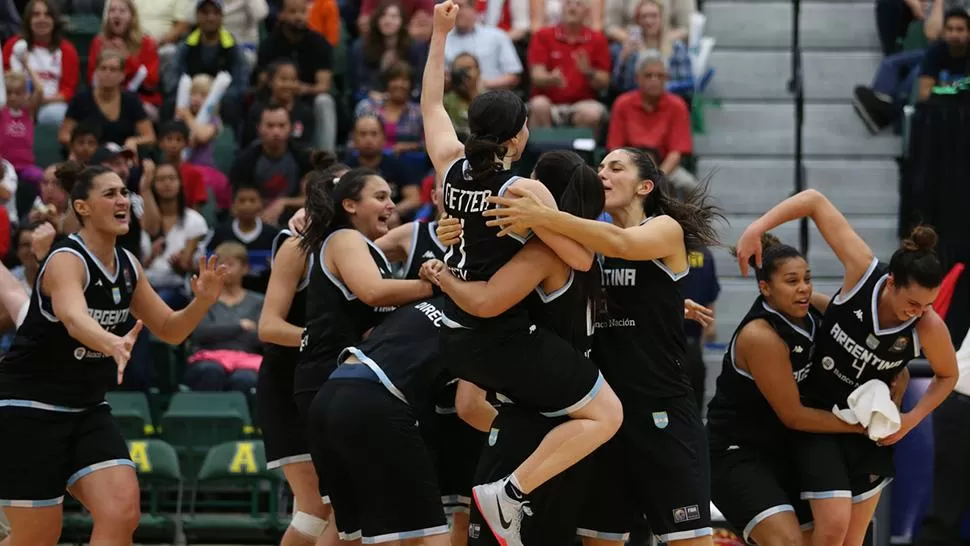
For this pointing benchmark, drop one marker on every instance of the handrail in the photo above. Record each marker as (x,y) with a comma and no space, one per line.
(796,86)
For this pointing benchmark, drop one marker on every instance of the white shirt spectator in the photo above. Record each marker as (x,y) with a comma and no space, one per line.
(9,183)
(240,17)
(158,16)
(159,272)
(963,363)
(494,50)
(46,64)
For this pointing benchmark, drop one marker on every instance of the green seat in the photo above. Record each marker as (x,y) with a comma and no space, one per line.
(915,37)
(196,421)
(160,479)
(131,411)
(208,210)
(224,150)
(47,150)
(82,30)
(234,494)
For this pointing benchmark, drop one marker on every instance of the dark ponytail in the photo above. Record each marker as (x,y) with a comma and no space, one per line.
(78,180)
(773,254)
(494,118)
(695,213)
(325,195)
(916,260)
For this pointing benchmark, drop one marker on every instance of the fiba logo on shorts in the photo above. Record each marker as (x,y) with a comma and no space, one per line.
(80,352)
(828,363)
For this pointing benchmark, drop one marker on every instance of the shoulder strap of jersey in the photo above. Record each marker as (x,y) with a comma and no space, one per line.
(413,249)
(841,297)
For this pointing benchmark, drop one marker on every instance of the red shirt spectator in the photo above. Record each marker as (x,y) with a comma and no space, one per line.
(555,49)
(193,185)
(58,69)
(665,127)
(505,19)
(147,56)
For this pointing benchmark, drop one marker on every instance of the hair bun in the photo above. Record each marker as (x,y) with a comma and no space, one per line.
(769,240)
(67,173)
(921,239)
(322,159)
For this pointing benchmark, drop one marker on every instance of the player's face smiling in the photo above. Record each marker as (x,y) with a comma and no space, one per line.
(371,212)
(621,181)
(789,290)
(912,300)
(108,204)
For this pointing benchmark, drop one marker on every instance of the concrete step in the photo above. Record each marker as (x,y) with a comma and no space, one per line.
(740,128)
(752,186)
(767,25)
(764,75)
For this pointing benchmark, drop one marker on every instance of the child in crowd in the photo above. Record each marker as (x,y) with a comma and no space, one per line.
(201,135)
(85,140)
(17,128)
(173,138)
(246,227)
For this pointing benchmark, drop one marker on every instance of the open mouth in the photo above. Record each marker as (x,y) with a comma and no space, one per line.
(804,302)
(122,216)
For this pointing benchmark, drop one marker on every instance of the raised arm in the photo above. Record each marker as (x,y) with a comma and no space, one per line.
(356,269)
(445,147)
(173,327)
(760,352)
(289,268)
(575,255)
(851,250)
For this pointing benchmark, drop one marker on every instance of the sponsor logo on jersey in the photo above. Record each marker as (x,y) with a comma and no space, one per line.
(900,345)
(828,363)
(660,419)
(428,255)
(872,341)
(798,349)
(434,314)
(858,314)
(99,283)
(79,353)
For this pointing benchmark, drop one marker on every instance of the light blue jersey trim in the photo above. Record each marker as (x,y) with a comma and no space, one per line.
(582,402)
(98,466)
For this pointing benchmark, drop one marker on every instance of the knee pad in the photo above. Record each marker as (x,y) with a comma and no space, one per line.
(308,525)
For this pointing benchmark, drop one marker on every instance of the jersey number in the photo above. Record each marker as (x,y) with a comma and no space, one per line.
(859,366)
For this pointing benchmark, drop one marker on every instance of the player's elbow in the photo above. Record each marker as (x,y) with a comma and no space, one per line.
(792,418)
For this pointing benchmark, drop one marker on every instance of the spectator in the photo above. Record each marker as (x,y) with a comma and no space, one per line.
(274,164)
(387,43)
(946,61)
(549,13)
(201,135)
(171,253)
(314,58)
(119,112)
(620,17)
(651,37)
(651,117)
(510,16)
(700,285)
(85,140)
(569,64)
(417,14)
(466,84)
(247,228)
(166,22)
(369,147)
(173,139)
(324,19)
(8,189)
(52,205)
(211,49)
(283,85)
(17,129)
(242,19)
(498,61)
(226,343)
(121,31)
(50,56)
(894,18)
(25,273)
(400,116)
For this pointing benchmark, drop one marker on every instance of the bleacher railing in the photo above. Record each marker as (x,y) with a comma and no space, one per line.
(796,86)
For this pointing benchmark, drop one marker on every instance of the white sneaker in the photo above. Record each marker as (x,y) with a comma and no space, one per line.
(502,514)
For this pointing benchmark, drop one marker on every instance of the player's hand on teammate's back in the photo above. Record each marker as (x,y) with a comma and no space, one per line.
(444,17)
(207,284)
(121,350)
(519,213)
(449,230)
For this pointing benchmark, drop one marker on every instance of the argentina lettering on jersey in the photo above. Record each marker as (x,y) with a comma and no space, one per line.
(335,317)
(425,246)
(403,352)
(479,253)
(45,364)
(853,348)
(739,414)
(288,356)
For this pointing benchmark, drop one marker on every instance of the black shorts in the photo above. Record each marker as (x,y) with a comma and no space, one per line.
(532,367)
(284,429)
(555,505)
(457,449)
(382,482)
(656,466)
(45,452)
(842,466)
(751,484)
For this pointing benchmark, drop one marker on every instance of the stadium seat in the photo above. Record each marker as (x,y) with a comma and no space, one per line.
(235,481)
(132,412)
(160,479)
(196,421)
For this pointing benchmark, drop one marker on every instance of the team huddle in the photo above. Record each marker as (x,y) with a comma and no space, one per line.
(517,365)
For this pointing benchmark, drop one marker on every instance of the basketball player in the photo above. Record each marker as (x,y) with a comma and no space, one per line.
(66,355)
(880,320)
(658,464)
(754,478)
(507,353)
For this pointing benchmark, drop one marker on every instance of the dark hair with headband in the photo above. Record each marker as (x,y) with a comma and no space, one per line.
(493,119)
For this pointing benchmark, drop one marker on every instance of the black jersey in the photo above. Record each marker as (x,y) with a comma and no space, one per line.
(403,352)
(852,348)
(640,344)
(567,311)
(45,364)
(297,316)
(480,252)
(739,414)
(335,319)
(424,246)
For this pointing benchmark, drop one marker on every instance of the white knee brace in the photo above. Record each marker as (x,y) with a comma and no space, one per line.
(308,525)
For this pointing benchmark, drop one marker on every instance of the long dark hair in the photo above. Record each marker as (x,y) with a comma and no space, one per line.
(180,196)
(80,180)
(324,204)
(57,29)
(916,261)
(773,254)
(695,213)
(493,118)
(374,43)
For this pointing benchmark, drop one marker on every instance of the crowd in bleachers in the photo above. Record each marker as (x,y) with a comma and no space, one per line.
(214,111)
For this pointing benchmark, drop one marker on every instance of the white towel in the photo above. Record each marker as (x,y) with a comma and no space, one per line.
(871,405)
